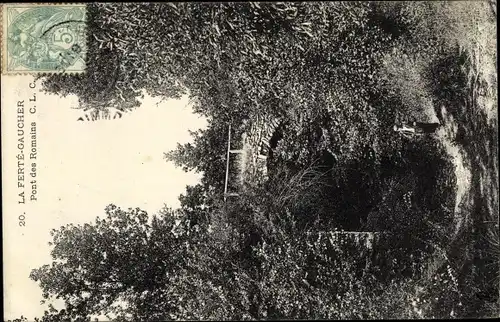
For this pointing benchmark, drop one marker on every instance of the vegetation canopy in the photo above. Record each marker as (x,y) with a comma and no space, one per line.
(338,76)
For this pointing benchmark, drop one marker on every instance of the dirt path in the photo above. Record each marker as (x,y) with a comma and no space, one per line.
(446,135)
(464,159)
(477,156)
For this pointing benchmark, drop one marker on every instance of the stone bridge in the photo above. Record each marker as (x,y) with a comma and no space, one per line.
(247,153)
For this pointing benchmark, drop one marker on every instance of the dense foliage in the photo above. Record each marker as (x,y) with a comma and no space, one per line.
(339,75)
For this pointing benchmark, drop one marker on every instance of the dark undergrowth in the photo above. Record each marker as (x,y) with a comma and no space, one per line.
(339,76)
(474,249)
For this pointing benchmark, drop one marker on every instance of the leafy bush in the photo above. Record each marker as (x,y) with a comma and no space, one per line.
(339,75)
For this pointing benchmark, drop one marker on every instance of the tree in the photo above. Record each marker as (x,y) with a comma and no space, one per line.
(122,258)
(197,204)
(319,67)
(313,64)
(206,154)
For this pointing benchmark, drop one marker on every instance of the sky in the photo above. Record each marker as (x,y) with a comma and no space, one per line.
(80,168)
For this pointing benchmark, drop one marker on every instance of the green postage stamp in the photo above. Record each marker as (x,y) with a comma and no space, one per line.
(43,38)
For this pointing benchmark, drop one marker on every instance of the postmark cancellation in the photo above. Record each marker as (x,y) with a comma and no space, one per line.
(43,38)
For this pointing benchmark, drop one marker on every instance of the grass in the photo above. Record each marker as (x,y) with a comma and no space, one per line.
(458,78)
(458,272)
(440,59)
(461,76)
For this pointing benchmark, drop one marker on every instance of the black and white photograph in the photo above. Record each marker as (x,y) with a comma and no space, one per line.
(250,161)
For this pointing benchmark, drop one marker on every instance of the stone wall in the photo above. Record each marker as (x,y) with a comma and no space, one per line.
(251,161)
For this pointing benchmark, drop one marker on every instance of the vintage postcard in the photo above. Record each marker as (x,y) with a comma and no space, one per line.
(250,161)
